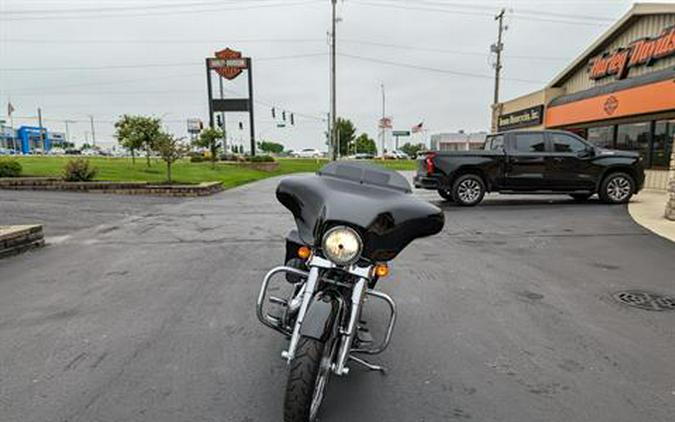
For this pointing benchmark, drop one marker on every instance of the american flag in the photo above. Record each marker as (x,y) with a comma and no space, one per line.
(417,128)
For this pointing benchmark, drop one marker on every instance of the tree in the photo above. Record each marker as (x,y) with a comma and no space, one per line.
(346,134)
(413,149)
(271,147)
(171,149)
(138,132)
(210,138)
(365,145)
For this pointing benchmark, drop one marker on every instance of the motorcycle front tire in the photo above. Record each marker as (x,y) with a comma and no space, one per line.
(307,380)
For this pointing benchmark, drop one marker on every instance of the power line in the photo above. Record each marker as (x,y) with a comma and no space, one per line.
(453,4)
(143,66)
(415,48)
(180,12)
(132,8)
(165,41)
(473,13)
(437,70)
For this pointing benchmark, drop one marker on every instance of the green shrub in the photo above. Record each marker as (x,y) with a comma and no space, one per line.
(78,170)
(10,168)
(197,157)
(261,159)
(228,157)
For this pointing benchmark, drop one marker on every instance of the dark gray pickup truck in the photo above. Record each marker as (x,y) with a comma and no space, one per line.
(547,161)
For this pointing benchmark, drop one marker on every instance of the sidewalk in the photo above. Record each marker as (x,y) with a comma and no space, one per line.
(648,209)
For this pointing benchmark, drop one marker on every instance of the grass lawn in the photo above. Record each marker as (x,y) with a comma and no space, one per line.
(231,175)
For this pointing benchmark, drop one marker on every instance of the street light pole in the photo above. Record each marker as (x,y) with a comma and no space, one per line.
(93,130)
(333,95)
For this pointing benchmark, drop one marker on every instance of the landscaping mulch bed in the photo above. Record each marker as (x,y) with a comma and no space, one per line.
(17,239)
(124,188)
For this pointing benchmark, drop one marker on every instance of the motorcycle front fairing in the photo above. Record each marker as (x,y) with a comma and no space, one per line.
(376,202)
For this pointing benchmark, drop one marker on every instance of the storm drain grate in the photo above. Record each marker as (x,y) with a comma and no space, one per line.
(645,300)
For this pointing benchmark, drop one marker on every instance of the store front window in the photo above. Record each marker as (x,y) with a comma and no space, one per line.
(602,137)
(664,131)
(633,137)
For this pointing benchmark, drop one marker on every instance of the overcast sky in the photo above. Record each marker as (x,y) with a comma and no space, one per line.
(148,58)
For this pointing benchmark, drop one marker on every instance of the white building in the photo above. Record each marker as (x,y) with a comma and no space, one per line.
(457,141)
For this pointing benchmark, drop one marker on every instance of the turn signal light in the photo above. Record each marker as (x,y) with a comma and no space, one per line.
(304,252)
(381,270)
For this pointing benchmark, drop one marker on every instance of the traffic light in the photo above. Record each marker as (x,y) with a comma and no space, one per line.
(274,113)
(292,120)
(283,116)
(219,120)
(241,126)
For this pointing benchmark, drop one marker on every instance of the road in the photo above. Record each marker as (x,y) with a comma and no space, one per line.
(144,311)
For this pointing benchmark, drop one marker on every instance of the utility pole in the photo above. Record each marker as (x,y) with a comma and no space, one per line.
(42,131)
(333,96)
(382,122)
(93,130)
(67,122)
(497,48)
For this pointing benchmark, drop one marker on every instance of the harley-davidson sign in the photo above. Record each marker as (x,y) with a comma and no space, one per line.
(228,63)
(642,52)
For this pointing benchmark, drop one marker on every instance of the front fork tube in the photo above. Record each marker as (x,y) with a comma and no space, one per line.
(308,293)
(347,335)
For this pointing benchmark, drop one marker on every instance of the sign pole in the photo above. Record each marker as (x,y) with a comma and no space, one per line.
(249,63)
(208,89)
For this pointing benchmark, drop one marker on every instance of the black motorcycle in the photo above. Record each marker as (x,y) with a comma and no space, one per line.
(351,220)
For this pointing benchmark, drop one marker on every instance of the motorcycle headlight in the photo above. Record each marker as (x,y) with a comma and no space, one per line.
(342,245)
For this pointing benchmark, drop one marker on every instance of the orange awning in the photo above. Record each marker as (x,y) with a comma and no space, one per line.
(655,97)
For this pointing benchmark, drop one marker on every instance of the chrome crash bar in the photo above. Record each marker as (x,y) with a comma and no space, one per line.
(267,319)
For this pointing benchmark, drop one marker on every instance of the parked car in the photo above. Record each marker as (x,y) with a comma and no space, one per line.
(361,156)
(6,151)
(307,153)
(396,155)
(549,161)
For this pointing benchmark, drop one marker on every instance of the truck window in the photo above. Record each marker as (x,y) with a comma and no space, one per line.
(566,143)
(495,143)
(529,142)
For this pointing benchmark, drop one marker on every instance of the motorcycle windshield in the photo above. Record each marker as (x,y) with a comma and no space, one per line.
(375,201)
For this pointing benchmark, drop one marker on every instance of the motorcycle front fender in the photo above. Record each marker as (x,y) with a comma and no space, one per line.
(320,318)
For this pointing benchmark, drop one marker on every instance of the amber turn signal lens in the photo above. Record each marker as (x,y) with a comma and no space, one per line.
(381,270)
(304,252)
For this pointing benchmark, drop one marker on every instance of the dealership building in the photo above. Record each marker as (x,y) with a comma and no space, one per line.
(619,93)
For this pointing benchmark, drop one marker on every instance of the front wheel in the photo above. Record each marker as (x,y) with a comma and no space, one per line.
(617,188)
(307,381)
(468,190)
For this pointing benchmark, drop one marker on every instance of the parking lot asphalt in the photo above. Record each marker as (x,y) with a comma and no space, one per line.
(147,314)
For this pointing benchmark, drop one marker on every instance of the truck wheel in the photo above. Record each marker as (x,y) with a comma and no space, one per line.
(581,196)
(446,194)
(468,190)
(617,188)
(307,380)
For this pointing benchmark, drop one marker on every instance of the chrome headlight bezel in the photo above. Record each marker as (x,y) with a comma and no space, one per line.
(351,240)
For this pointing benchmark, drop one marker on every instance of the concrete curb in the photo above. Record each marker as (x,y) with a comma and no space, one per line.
(646,209)
(123,188)
(17,239)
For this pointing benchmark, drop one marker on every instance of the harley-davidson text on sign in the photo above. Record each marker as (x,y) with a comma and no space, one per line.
(522,118)
(228,63)
(642,52)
